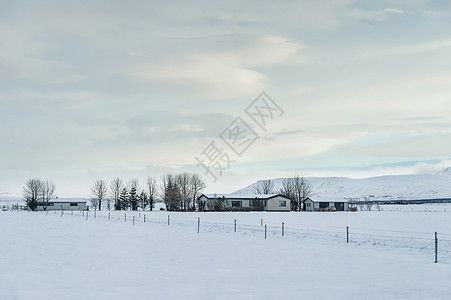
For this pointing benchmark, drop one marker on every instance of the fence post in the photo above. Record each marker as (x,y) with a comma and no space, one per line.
(347,234)
(109,216)
(436,247)
(261,222)
(125,217)
(198,225)
(72,212)
(144,218)
(265,231)
(133,220)
(61,213)
(235,225)
(168,220)
(95,213)
(87,213)
(283,229)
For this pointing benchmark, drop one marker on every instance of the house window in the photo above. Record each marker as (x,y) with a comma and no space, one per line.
(236,203)
(73,204)
(282,203)
(323,204)
(309,204)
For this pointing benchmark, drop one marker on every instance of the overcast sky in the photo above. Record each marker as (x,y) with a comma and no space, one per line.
(99,89)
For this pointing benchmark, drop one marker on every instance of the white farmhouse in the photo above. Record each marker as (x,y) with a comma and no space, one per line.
(328,204)
(266,202)
(63,204)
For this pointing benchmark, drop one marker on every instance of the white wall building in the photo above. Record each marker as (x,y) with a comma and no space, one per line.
(63,204)
(328,204)
(269,202)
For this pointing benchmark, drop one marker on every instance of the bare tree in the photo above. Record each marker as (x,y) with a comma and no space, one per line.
(288,190)
(32,191)
(98,191)
(48,189)
(265,186)
(197,184)
(116,187)
(298,189)
(151,190)
(183,184)
(170,191)
(378,205)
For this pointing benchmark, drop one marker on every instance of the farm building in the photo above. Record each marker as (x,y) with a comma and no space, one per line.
(269,202)
(338,204)
(63,204)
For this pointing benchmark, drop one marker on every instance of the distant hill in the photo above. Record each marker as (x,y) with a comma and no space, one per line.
(422,186)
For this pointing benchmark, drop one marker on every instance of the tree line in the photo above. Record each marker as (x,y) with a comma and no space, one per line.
(178,191)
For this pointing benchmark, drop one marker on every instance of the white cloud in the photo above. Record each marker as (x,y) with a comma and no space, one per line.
(373,15)
(226,74)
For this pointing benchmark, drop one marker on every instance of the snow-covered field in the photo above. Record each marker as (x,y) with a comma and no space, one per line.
(390,255)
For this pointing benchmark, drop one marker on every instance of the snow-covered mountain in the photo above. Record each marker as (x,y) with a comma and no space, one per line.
(422,186)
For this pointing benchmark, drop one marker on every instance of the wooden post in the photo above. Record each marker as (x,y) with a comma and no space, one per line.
(198,225)
(168,220)
(235,225)
(133,220)
(283,229)
(95,213)
(61,213)
(436,247)
(109,215)
(125,217)
(265,232)
(347,234)
(261,222)
(144,218)
(87,213)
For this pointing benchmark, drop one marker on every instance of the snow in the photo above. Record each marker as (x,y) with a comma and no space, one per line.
(241,196)
(390,256)
(420,186)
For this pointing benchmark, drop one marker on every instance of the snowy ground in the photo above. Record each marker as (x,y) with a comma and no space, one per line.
(390,255)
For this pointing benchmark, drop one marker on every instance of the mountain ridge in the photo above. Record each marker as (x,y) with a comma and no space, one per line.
(386,187)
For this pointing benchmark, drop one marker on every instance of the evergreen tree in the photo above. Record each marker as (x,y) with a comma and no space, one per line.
(123,199)
(143,200)
(133,198)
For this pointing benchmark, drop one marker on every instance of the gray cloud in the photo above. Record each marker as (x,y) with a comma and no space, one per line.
(90,87)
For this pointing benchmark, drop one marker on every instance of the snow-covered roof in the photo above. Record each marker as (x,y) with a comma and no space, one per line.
(242,196)
(67,200)
(329,199)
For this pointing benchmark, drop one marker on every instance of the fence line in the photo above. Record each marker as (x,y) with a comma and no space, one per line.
(354,235)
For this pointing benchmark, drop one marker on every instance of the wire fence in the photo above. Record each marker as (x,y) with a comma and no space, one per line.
(433,244)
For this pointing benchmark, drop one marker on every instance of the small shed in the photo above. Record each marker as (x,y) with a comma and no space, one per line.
(62,204)
(326,204)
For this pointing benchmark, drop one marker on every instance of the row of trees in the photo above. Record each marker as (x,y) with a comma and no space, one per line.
(38,191)
(297,188)
(179,192)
